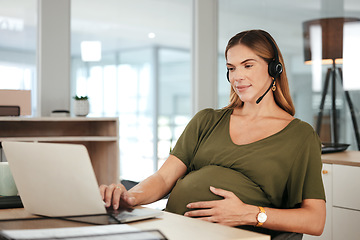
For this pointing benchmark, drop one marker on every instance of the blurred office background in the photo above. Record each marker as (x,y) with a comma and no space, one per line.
(144,71)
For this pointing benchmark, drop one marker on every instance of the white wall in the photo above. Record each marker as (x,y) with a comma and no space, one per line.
(53,56)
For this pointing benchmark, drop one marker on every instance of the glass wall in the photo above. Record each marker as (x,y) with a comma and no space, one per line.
(18,46)
(284,21)
(141,77)
(174,97)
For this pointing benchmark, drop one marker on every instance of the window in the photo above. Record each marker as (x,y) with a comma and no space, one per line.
(18,46)
(287,29)
(141,77)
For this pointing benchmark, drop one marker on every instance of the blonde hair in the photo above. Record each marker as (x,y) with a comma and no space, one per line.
(257,40)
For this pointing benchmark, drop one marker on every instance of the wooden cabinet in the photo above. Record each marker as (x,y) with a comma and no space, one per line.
(99,135)
(341,176)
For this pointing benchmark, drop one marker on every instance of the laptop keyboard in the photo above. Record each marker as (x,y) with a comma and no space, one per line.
(123,215)
(10,202)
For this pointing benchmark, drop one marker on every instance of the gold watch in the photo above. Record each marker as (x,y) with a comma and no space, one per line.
(261,217)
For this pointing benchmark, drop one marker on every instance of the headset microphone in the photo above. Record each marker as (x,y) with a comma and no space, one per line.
(260,98)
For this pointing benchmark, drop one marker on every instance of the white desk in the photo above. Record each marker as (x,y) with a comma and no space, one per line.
(174,227)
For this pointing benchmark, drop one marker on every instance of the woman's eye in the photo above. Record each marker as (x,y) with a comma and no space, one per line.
(248,66)
(230,69)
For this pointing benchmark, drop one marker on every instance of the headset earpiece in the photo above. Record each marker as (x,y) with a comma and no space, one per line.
(275,68)
(227,75)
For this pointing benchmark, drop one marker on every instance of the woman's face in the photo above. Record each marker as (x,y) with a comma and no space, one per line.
(248,73)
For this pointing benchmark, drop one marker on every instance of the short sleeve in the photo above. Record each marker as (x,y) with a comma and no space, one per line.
(188,143)
(305,180)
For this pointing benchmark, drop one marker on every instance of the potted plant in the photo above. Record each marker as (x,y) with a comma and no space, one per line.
(81,105)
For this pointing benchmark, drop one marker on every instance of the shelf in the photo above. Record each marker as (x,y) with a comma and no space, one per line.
(61,139)
(57,119)
(99,135)
(60,127)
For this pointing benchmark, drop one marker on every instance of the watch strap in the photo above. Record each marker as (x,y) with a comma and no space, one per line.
(261,210)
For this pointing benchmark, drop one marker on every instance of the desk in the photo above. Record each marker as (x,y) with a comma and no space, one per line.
(350,158)
(174,227)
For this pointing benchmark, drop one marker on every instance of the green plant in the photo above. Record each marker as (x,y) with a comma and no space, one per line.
(81,97)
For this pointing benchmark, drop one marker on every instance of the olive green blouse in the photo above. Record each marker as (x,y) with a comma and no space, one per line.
(278,171)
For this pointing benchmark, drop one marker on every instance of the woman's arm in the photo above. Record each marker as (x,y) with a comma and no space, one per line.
(231,211)
(309,218)
(151,189)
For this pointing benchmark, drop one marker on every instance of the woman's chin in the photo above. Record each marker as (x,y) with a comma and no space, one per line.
(246,99)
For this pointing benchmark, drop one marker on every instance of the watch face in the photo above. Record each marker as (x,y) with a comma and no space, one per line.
(262,217)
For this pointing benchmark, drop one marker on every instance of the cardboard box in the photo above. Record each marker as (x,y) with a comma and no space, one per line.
(21,98)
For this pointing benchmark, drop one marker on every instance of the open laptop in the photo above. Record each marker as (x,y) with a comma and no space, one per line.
(57,180)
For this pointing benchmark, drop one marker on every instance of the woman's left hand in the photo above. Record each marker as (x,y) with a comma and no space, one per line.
(229,211)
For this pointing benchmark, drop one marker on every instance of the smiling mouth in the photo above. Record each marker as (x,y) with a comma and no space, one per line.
(242,88)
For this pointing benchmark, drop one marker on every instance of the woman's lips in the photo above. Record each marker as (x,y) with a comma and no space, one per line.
(242,87)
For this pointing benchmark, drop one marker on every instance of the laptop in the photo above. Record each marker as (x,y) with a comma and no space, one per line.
(57,180)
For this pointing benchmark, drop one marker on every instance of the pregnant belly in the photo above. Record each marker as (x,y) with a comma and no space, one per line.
(195,187)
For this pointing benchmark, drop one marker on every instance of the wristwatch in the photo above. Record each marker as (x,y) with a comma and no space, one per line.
(261,217)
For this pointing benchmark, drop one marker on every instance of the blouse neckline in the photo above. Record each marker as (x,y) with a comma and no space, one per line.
(289,125)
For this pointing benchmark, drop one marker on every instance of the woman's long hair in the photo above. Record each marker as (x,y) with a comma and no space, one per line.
(259,43)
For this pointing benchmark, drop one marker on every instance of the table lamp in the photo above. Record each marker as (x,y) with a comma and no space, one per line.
(329,33)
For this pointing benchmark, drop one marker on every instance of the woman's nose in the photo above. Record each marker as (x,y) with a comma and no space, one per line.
(236,75)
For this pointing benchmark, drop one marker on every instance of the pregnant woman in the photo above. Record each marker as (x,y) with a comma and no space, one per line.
(251,164)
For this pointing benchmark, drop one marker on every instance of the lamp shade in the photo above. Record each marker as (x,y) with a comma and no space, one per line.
(330,31)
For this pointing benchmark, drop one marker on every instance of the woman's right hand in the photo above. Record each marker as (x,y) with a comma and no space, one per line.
(117,196)
(147,191)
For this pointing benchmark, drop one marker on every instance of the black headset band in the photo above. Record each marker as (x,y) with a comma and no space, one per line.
(276,54)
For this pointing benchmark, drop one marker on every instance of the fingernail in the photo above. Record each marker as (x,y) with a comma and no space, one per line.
(189,205)
(115,206)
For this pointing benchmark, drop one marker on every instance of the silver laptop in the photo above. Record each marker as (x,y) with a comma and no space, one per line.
(58,180)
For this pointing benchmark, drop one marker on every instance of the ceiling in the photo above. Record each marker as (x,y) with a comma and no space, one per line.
(123,24)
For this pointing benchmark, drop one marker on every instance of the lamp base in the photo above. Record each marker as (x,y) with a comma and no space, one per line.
(333,147)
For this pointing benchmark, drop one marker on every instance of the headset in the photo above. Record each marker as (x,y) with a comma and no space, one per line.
(275,68)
